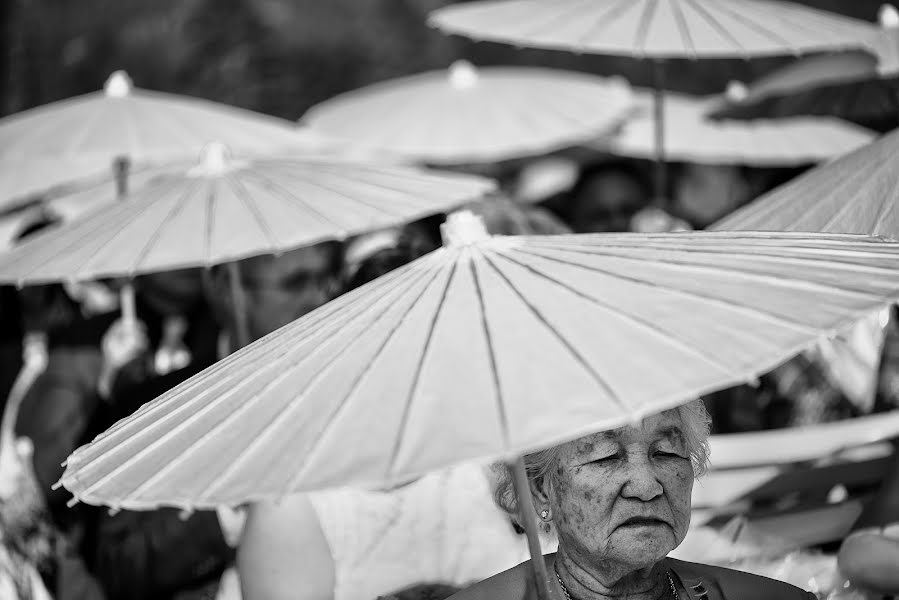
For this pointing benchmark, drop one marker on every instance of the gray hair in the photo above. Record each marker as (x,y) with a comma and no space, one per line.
(539,465)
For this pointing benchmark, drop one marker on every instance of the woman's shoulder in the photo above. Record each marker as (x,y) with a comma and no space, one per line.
(735,585)
(512,584)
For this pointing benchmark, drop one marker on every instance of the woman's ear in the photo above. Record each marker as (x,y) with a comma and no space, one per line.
(540,491)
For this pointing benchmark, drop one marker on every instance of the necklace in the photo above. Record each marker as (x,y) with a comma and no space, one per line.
(671,585)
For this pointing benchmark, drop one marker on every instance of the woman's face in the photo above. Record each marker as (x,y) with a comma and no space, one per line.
(623,495)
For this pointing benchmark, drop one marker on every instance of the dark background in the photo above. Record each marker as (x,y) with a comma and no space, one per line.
(278,56)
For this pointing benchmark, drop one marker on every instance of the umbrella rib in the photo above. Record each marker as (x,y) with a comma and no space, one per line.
(708,358)
(650,7)
(681,292)
(246,200)
(885,208)
(86,129)
(716,24)
(419,367)
(292,482)
(279,417)
(737,16)
(597,377)
(791,282)
(93,229)
(174,211)
(683,27)
(540,26)
(294,199)
(359,200)
(190,418)
(603,21)
(833,263)
(354,176)
(491,352)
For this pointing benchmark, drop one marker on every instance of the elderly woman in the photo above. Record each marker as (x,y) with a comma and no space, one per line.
(619,502)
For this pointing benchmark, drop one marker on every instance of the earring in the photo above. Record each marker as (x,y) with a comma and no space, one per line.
(544,514)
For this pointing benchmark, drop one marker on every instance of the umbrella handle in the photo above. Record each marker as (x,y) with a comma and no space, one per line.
(126,298)
(660,168)
(529,520)
(238,304)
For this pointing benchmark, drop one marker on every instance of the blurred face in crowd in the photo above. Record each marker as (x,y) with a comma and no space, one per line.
(622,497)
(606,203)
(707,193)
(279,289)
(172,292)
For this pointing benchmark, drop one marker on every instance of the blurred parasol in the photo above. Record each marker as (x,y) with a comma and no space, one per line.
(658,30)
(690,137)
(854,85)
(225,209)
(467,115)
(84,136)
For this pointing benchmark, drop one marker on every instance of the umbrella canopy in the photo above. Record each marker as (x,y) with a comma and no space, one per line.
(81,137)
(656,28)
(690,137)
(469,115)
(222,210)
(486,348)
(857,193)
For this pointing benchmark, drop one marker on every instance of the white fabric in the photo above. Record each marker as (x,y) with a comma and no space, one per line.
(443,528)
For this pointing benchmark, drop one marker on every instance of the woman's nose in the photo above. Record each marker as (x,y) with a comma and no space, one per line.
(641,483)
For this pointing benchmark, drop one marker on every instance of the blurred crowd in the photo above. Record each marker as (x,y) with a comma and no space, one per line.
(72,367)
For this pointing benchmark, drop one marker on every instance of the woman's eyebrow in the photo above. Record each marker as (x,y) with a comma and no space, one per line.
(672,432)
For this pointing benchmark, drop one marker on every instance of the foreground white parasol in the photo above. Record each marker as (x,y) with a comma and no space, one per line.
(469,115)
(857,193)
(487,348)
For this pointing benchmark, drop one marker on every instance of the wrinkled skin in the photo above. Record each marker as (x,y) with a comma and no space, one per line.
(601,481)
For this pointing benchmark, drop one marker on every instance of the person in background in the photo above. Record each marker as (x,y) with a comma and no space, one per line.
(158,554)
(606,197)
(704,194)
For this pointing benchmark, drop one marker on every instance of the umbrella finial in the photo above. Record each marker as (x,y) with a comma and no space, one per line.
(118,85)
(215,159)
(736,91)
(888,16)
(462,75)
(463,228)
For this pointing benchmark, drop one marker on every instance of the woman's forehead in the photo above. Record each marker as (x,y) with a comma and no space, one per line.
(659,425)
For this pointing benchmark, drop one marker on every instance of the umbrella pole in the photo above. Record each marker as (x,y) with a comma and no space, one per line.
(660,174)
(238,304)
(126,299)
(529,520)
(120,169)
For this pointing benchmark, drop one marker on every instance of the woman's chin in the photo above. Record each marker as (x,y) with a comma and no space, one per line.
(642,548)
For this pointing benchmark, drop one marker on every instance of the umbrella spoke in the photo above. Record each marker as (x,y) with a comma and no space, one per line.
(727,304)
(501,410)
(573,351)
(706,357)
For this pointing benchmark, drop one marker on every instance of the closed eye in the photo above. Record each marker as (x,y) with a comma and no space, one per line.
(668,454)
(603,459)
